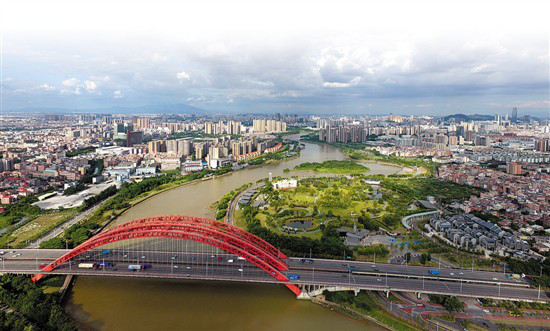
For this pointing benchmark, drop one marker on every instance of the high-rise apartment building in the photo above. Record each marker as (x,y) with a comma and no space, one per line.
(265,126)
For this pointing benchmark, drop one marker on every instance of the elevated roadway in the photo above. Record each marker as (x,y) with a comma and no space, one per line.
(322,273)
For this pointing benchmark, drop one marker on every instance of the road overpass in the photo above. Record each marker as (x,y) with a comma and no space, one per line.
(191,248)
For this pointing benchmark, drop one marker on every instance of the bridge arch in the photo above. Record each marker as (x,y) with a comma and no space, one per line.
(197,229)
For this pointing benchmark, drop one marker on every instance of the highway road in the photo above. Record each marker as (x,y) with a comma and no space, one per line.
(210,266)
(297,264)
(408,271)
(60,228)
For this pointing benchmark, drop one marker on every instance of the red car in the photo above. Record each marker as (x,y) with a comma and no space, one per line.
(42,266)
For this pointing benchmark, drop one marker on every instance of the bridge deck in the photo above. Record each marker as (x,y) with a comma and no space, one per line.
(320,272)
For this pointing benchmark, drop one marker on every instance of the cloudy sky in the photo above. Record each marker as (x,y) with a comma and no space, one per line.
(362,57)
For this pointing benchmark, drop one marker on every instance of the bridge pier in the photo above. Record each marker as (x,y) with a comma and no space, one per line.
(418,295)
(310,291)
(387,294)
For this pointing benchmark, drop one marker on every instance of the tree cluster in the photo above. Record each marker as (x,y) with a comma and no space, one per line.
(32,309)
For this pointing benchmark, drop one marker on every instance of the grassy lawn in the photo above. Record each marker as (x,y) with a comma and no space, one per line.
(52,284)
(334,167)
(523,322)
(395,299)
(39,225)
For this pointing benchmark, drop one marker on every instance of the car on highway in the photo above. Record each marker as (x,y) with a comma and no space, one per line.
(143,257)
(173,257)
(188,268)
(494,278)
(230,261)
(176,266)
(452,274)
(378,279)
(2,253)
(42,266)
(241,270)
(421,305)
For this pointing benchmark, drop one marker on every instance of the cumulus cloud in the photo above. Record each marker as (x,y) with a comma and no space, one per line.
(46,87)
(183,76)
(71,82)
(90,85)
(117,94)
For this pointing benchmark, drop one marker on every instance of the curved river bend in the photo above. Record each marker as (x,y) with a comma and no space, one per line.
(142,304)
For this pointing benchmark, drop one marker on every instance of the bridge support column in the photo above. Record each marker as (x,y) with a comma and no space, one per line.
(418,295)
(387,294)
(356,291)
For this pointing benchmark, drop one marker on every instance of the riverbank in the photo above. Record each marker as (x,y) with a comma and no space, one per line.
(348,311)
(364,305)
(355,153)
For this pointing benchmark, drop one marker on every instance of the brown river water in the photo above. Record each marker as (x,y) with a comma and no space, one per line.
(146,304)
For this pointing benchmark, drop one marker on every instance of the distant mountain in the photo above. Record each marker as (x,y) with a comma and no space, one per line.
(466,118)
(156,109)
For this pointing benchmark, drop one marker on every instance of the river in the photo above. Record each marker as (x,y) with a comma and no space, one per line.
(140,304)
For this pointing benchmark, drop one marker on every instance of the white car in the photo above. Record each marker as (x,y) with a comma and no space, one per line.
(176,266)
(452,274)
(230,261)
(494,278)
(241,270)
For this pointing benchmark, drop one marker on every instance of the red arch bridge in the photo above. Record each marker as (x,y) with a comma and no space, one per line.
(179,246)
(219,244)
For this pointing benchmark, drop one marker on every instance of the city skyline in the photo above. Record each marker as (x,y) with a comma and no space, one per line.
(312,58)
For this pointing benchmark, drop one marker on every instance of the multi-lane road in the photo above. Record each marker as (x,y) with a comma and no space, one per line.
(362,275)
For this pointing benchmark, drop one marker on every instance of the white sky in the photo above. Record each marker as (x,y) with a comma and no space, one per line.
(211,52)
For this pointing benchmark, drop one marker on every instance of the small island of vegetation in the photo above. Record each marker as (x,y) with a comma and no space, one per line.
(335,167)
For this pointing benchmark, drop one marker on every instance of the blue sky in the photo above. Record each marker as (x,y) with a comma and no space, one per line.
(360,57)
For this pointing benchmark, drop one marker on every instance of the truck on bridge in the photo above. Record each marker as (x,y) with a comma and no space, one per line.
(87,265)
(134,267)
